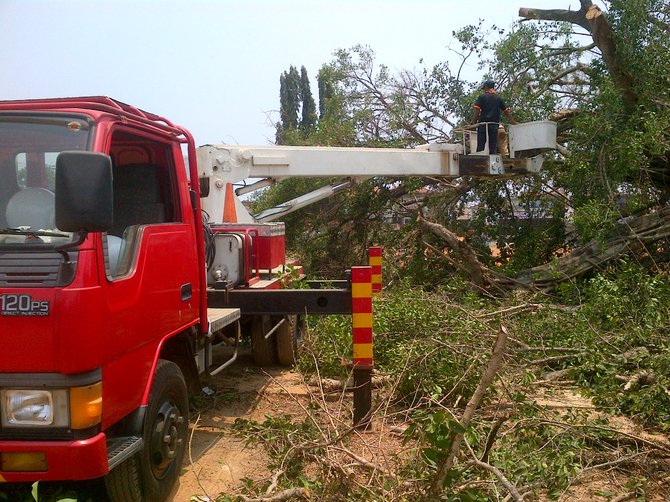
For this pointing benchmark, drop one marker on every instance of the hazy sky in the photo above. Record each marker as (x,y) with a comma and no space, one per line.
(214,66)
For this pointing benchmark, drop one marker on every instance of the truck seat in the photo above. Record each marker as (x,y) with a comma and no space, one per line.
(137,197)
(32,207)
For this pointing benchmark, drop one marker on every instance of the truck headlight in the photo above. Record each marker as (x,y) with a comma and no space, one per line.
(28,407)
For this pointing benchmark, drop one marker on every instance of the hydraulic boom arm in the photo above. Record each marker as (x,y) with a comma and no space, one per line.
(221,166)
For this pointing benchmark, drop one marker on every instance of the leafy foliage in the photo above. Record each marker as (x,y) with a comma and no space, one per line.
(408,324)
(633,306)
(83,491)
(606,330)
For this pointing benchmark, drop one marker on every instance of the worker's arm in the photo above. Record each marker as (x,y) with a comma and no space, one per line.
(511,119)
(475,116)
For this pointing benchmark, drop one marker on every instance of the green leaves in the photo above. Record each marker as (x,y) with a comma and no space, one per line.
(594,220)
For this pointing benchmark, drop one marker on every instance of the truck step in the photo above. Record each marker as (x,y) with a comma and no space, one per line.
(122,448)
(219,318)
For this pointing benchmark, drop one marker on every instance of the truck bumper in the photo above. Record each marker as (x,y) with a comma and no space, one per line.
(65,460)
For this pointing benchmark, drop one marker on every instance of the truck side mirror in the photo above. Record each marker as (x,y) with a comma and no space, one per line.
(83,192)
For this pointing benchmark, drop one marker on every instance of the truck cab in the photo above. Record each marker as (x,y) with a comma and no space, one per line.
(101,293)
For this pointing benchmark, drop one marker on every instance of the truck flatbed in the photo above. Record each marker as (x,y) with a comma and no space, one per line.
(219,318)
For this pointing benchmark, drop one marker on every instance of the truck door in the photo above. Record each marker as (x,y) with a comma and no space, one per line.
(150,261)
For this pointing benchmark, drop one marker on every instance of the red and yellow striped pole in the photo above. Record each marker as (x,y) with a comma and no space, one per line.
(375,257)
(361,303)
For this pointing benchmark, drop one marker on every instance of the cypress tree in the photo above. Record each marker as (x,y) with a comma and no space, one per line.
(289,102)
(326,91)
(308,120)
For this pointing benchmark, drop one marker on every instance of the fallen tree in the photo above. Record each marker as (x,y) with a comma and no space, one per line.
(629,235)
(618,142)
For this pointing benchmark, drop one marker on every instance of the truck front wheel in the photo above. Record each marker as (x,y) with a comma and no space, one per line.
(151,474)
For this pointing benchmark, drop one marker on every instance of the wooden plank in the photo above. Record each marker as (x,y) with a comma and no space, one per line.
(221,317)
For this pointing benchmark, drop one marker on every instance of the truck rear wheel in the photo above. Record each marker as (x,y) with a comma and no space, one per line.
(289,337)
(263,350)
(150,475)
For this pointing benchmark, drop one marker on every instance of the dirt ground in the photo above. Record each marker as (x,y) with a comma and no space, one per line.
(217,460)
(605,485)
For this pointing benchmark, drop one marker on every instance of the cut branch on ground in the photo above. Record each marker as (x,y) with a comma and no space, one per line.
(489,374)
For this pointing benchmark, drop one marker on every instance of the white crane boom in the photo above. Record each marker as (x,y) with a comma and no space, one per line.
(221,166)
(234,163)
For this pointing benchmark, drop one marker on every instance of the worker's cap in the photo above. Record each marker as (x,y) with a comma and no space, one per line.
(489,84)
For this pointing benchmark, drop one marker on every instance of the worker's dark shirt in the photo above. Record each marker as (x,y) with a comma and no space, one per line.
(490,105)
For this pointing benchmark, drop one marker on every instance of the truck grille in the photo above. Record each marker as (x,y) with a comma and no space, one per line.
(34,270)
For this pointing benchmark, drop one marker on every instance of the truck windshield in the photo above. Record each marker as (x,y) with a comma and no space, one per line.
(29,146)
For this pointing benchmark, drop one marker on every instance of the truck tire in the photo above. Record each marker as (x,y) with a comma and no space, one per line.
(263,350)
(289,338)
(151,474)
(123,483)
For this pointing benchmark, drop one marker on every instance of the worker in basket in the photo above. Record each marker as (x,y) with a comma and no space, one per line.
(487,115)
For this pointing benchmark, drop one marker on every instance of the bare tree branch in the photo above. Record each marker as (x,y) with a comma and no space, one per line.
(594,20)
(570,16)
(513,491)
(289,494)
(556,51)
(556,78)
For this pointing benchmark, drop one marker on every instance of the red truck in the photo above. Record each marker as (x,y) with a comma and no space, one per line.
(114,290)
